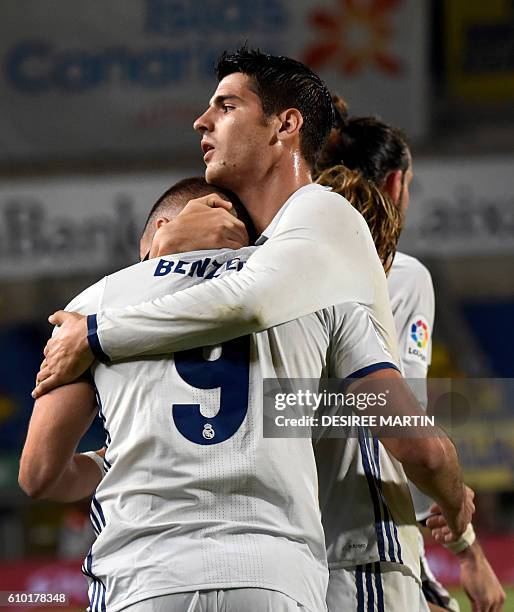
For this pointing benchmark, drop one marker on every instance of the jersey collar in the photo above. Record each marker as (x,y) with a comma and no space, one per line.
(268,232)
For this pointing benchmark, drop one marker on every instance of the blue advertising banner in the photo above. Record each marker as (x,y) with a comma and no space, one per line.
(128,77)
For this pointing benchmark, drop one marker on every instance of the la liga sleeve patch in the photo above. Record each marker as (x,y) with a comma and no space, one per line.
(418,340)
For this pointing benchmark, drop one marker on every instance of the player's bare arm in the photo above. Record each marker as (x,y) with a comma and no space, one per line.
(49,466)
(408,278)
(476,574)
(479,580)
(430,462)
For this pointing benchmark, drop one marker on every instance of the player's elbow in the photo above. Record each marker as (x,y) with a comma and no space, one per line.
(31,486)
(36,482)
(437,453)
(430,455)
(427,454)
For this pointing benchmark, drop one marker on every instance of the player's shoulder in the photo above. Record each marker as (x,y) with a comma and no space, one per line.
(409,271)
(347,316)
(87,301)
(130,271)
(147,268)
(412,295)
(325,207)
(348,308)
(180,270)
(323,195)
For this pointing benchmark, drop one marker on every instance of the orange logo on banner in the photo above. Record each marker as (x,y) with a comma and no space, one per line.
(355,34)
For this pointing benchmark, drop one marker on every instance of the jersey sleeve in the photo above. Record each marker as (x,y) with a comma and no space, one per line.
(415,325)
(356,348)
(86,302)
(321,253)
(89,300)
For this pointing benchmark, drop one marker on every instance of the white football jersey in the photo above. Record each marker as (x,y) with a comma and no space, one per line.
(316,252)
(413,303)
(365,496)
(193,496)
(366,504)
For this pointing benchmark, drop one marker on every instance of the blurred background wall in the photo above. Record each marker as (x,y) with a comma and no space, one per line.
(97,102)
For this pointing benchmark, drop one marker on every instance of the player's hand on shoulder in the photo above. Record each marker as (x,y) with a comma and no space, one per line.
(67,353)
(209,222)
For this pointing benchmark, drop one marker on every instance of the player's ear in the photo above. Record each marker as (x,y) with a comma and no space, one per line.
(290,123)
(393,185)
(161,221)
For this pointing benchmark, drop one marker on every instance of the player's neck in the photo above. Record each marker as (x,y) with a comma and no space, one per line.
(264,197)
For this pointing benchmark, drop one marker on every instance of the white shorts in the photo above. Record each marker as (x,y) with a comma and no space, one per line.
(227,600)
(375,587)
(433,590)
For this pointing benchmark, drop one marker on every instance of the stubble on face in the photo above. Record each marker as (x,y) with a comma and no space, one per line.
(239,132)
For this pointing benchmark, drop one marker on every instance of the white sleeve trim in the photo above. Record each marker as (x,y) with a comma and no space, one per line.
(97,459)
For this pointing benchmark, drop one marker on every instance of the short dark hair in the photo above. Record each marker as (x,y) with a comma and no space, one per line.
(281,83)
(365,144)
(178,195)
